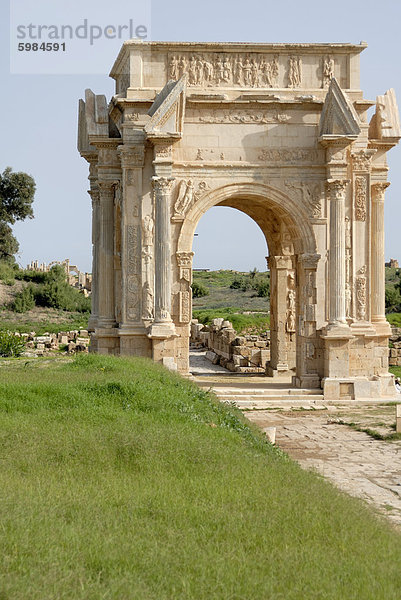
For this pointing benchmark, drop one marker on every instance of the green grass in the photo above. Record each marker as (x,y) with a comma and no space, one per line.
(67,322)
(257,323)
(120,480)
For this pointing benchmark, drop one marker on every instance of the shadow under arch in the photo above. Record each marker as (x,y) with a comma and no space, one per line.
(261,202)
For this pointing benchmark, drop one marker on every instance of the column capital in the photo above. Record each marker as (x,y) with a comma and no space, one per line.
(162,185)
(362,159)
(279,262)
(94,193)
(337,188)
(184,259)
(378,189)
(309,261)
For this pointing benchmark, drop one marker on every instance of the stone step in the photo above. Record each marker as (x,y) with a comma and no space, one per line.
(258,403)
(263,392)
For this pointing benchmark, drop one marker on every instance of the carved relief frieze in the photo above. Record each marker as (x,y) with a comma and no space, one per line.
(287,155)
(226,70)
(361,192)
(241,116)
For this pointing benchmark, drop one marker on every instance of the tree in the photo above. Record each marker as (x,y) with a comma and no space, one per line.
(17,191)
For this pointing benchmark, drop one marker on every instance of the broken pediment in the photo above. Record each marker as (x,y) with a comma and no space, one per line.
(339,117)
(93,120)
(167,111)
(385,123)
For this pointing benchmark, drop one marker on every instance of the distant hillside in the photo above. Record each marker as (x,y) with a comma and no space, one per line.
(221,295)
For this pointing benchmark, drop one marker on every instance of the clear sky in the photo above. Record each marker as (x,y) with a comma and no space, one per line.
(39,110)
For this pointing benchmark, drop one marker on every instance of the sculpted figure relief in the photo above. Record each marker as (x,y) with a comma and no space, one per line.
(254,70)
(294,71)
(328,70)
(185,196)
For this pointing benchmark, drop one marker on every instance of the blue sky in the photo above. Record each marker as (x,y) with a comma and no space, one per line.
(39,111)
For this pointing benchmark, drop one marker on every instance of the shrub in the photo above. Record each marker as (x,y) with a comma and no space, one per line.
(263,288)
(24,300)
(199,290)
(8,271)
(11,344)
(236,284)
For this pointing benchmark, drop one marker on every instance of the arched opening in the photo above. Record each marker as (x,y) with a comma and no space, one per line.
(290,239)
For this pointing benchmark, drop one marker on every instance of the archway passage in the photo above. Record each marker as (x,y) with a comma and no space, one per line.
(288,144)
(287,241)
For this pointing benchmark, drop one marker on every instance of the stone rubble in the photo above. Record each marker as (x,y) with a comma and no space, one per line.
(38,345)
(237,353)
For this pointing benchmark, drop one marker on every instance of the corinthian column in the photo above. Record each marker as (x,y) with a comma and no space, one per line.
(337,188)
(105,293)
(377,254)
(162,192)
(94,193)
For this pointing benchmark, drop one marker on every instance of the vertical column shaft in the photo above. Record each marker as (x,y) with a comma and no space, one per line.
(95,251)
(337,189)
(377,253)
(162,190)
(106,315)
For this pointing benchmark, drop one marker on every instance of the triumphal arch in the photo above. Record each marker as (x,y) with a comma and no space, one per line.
(278,131)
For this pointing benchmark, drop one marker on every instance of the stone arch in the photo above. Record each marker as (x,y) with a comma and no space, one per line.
(289,264)
(237,195)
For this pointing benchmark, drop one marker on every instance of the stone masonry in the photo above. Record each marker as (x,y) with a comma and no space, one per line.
(278,131)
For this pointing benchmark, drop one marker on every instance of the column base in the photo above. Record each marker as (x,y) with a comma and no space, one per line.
(337,331)
(105,323)
(280,370)
(344,389)
(382,327)
(162,330)
(308,381)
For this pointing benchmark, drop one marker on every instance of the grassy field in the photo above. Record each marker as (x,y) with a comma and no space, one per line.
(120,480)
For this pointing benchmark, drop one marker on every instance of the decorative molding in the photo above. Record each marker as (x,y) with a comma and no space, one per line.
(185,306)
